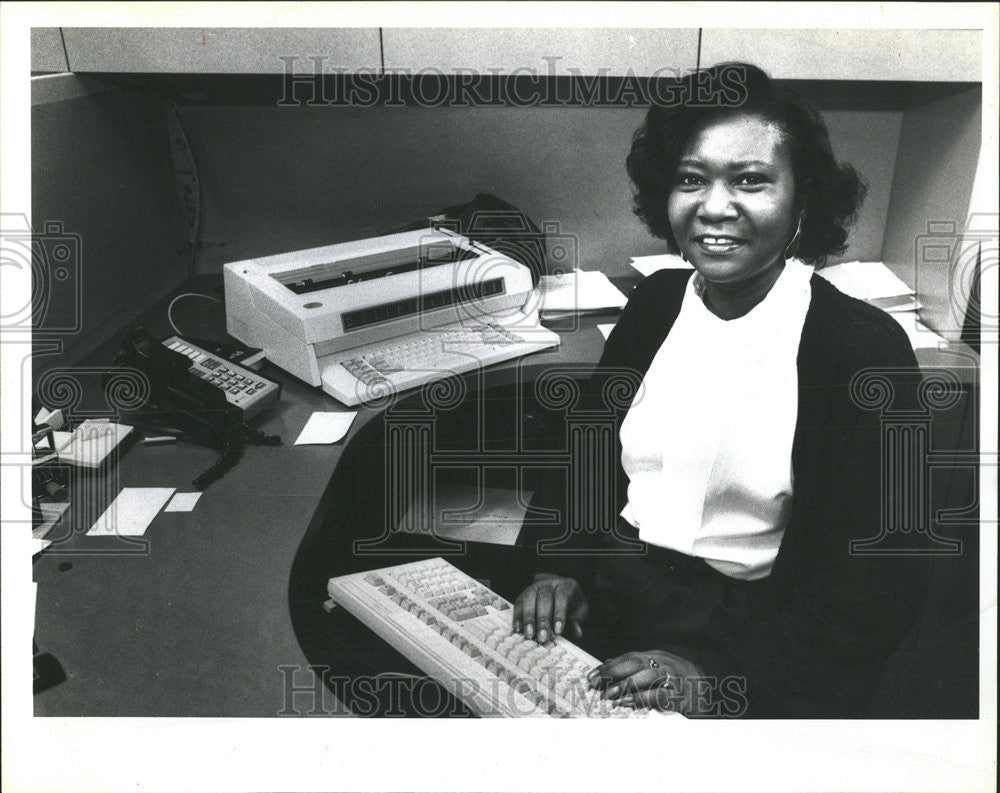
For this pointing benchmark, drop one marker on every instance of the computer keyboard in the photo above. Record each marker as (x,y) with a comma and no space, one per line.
(378,370)
(459,632)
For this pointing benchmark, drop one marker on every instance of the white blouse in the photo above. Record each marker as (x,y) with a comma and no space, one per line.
(707,445)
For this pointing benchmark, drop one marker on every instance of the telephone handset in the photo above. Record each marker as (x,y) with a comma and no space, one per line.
(191,392)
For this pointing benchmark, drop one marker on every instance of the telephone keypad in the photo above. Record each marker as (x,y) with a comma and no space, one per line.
(245,390)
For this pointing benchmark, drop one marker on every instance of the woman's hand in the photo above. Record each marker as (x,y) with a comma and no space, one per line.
(547,605)
(653,679)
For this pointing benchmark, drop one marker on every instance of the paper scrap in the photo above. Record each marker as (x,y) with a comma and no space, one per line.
(183,502)
(865,280)
(326,427)
(131,512)
(647,265)
(606,329)
(469,514)
(54,418)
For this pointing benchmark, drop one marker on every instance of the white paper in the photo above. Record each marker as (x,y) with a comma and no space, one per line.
(131,512)
(54,418)
(606,329)
(92,442)
(579,291)
(183,502)
(326,427)
(865,280)
(62,439)
(921,337)
(647,265)
(468,514)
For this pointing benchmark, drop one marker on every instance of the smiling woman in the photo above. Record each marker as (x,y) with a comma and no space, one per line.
(748,468)
(733,210)
(827,194)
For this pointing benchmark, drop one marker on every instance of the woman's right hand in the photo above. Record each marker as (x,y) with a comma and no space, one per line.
(547,605)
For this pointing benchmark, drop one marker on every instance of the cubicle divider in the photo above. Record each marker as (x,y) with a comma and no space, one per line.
(279,175)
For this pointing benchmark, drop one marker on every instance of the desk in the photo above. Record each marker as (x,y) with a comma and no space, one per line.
(199,623)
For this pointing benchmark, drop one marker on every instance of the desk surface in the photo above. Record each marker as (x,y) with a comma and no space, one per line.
(195,621)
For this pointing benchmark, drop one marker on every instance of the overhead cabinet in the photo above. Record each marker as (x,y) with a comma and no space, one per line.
(47,54)
(798,54)
(613,52)
(221,50)
(809,54)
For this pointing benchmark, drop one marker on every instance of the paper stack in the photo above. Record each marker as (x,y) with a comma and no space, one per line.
(578,292)
(876,284)
(866,280)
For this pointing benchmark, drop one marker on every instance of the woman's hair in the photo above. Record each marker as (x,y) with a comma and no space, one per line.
(828,193)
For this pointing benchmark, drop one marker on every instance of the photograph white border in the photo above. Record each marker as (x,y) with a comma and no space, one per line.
(49,754)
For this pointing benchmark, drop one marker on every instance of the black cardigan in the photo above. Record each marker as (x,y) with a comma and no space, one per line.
(811,638)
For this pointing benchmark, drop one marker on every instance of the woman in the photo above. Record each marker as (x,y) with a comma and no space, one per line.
(748,466)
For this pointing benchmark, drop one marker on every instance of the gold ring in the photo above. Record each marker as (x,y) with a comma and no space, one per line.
(653,664)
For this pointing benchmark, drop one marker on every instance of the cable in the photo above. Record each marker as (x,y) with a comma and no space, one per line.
(233,446)
(185,294)
(232,451)
(188,185)
(193,263)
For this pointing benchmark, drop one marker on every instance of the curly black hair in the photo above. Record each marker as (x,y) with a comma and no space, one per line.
(828,193)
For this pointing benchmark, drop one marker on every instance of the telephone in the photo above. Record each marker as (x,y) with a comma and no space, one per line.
(196,396)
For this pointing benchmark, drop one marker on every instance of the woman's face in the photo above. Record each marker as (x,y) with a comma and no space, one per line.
(732,208)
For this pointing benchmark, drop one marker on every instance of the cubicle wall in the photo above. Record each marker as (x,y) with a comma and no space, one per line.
(101,177)
(280,178)
(932,183)
(277,178)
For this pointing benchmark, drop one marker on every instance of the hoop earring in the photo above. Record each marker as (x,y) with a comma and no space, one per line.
(792,247)
(685,258)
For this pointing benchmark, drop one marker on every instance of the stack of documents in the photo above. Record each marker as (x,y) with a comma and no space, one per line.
(866,280)
(876,284)
(578,292)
